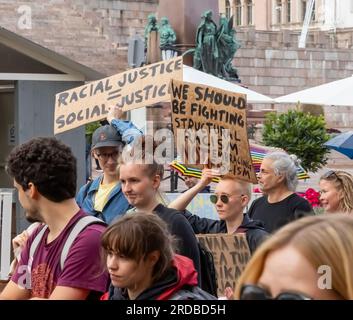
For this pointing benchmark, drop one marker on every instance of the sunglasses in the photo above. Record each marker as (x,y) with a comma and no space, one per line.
(224,198)
(330,174)
(254,292)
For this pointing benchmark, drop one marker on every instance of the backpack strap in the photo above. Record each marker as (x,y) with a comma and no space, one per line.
(35,243)
(79,226)
(32,250)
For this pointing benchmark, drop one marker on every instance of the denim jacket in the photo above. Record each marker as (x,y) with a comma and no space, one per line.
(117,204)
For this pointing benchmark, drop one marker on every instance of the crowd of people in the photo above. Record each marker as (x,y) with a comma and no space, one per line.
(149,249)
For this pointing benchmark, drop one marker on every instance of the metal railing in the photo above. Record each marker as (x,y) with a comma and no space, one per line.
(6,200)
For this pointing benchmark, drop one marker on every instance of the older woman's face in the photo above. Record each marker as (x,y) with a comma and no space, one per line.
(330,197)
(287,270)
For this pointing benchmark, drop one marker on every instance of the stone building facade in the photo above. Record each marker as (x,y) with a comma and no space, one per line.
(271,63)
(95,33)
(92,32)
(289,14)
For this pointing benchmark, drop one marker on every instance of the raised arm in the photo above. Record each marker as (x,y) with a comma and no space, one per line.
(185,198)
(126,129)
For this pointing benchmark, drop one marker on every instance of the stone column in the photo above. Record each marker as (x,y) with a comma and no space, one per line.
(153,51)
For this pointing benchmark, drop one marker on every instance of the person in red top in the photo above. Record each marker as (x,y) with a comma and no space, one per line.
(142,264)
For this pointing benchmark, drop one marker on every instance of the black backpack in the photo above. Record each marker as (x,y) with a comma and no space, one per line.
(208,271)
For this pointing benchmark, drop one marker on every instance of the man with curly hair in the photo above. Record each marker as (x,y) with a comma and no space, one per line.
(44,174)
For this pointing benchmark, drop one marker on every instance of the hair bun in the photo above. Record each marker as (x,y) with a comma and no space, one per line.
(295,160)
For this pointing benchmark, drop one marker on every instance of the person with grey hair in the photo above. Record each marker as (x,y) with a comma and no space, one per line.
(278,181)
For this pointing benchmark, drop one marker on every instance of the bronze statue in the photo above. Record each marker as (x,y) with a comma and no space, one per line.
(227,46)
(215,47)
(206,51)
(167,39)
(167,36)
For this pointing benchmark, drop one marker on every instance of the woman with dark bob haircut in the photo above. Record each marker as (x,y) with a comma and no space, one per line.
(138,250)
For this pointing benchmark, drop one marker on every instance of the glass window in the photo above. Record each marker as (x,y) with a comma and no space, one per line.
(289,11)
(228,9)
(304,5)
(303,9)
(313,16)
(238,9)
(278,11)
(249,5)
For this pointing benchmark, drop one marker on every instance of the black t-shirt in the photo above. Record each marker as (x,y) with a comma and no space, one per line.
(276,215)
(180,228)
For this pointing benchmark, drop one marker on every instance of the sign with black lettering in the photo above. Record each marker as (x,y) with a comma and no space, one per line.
(210,128)
(231,253)
(132,89)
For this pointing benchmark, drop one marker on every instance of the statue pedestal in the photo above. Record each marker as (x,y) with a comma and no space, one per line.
(184,17)
(153,51)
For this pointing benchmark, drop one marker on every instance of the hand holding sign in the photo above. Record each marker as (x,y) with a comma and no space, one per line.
(114,113)
(229,293)
(207,176)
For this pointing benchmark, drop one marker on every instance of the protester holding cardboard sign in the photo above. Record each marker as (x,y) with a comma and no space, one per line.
(230,199)
(230,253)
(103,197)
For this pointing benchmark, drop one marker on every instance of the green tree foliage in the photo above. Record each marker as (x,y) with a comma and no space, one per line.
(298,133)
(90,128)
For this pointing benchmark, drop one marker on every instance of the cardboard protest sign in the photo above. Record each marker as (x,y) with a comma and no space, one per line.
(210,128)
(132,89)
(231,253)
